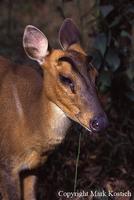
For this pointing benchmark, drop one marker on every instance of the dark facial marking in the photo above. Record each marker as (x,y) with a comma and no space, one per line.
(67,81)
(80,63)
(70,61)
(89,59)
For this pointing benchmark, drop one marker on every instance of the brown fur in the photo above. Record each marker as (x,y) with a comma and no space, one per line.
(29,123)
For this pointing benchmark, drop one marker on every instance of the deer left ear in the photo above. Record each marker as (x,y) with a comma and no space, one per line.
(35,44)
(68,34)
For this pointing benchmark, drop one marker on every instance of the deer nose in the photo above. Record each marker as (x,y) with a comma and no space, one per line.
(99,123)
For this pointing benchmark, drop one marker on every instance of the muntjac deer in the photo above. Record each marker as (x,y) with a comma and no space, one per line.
(35,111)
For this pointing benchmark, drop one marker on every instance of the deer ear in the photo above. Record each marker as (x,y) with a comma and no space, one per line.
(35,43)
(68,34)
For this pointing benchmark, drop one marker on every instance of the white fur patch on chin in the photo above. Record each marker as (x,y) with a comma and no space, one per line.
(60,121)
(58,111)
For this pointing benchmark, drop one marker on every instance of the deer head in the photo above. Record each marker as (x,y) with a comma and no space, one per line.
(69,77)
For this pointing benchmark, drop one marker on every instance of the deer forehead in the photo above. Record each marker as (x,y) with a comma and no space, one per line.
(77,56)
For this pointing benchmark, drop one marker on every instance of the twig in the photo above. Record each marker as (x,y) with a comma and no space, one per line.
(77,162)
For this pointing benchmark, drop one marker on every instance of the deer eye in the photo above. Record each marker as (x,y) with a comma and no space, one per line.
(67,82)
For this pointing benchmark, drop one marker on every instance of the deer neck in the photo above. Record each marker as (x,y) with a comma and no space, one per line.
(55,122)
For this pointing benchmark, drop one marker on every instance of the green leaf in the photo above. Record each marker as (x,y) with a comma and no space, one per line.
(130,9)
(125,34)
(112,60)
(116,43)
(130,95)
(105,78)
(116,21)
(97,59)
(104,81)
(106,10)
(101,43)
(130,72)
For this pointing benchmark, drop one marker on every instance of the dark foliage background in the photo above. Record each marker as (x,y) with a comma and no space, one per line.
(107,30)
